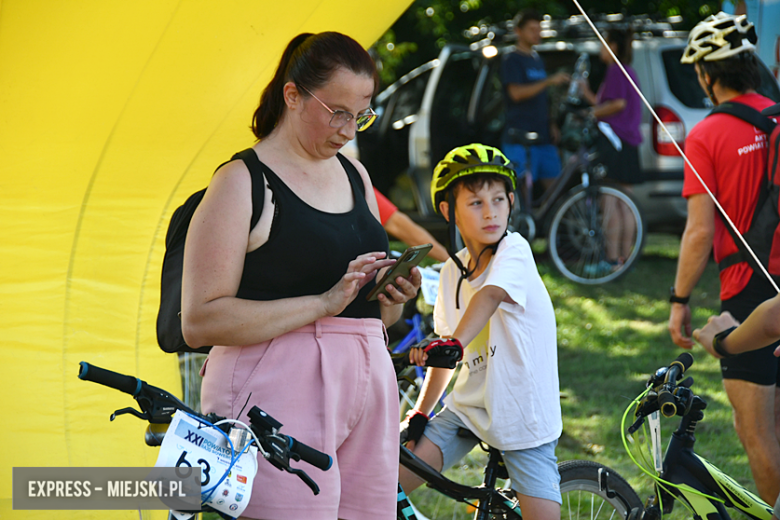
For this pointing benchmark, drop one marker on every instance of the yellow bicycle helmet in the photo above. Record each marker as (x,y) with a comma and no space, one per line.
(468,160)
(718,37)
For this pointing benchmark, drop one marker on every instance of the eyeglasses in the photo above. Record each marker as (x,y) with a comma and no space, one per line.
(340,118)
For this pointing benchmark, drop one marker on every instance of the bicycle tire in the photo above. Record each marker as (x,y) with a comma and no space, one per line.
(584,497)
(523,223)
(577,239)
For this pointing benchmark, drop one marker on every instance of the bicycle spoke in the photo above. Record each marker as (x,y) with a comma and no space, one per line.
(595,234)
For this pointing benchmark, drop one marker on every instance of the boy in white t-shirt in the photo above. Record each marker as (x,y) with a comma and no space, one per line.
(491,299)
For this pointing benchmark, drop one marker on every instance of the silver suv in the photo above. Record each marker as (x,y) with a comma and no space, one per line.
(456,99)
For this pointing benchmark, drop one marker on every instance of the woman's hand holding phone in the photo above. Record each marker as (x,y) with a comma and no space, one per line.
(360,271)
(403,279)
(401,290)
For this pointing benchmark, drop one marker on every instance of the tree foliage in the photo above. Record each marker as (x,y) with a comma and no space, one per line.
(420,33)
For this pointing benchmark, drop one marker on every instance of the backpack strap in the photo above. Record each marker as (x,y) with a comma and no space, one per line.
(766,125)
(745,113)
(774,110)
(256,169)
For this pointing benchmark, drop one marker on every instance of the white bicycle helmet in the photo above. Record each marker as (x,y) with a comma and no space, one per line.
(718,37)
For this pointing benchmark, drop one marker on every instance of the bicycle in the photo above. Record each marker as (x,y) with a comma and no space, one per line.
(579,208)
(492,500)
(680,475)
(158,407)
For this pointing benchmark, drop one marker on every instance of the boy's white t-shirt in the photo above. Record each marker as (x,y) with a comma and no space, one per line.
(507,390)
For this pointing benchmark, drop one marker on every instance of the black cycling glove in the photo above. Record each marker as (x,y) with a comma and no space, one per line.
(417,421)
(444,353)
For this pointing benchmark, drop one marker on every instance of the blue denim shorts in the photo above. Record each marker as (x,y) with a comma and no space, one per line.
(545,161)
(534,471)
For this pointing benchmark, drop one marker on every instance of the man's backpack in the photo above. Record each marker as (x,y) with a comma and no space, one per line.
(763,235)
(169,335)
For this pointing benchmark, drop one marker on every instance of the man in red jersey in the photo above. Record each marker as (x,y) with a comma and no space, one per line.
(730,157)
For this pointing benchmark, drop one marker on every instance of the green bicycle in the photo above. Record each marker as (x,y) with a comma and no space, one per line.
(680,475)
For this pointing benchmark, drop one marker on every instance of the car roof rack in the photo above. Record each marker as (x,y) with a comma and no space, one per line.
(576,28)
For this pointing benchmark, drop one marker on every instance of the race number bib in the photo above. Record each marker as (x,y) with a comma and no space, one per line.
(190,443)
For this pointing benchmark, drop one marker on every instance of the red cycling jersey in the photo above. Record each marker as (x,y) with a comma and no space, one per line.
(386,208)
(730,156)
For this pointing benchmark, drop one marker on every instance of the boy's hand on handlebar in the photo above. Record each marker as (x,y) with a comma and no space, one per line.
(714,325)
(419,355)
(406,290)
(360,271)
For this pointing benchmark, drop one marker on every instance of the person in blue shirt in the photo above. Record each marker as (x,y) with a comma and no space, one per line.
(525,83)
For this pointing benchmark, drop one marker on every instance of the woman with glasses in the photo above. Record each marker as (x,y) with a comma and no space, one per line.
(285,302)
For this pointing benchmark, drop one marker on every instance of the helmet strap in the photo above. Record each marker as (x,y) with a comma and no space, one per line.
(464,271)
(708,83)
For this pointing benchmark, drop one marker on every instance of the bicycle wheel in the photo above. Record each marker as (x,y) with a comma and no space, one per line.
(596,234)
(524,224)
(585,494)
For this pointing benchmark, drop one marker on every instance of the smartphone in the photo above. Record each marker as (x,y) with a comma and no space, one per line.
(402,267)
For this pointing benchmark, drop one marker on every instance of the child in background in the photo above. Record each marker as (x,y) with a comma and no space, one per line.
(491,299)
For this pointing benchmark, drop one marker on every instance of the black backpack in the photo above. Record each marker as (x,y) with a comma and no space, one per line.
(169,335)
(763,235)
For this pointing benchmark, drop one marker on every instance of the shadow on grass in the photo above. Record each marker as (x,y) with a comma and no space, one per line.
(611,338)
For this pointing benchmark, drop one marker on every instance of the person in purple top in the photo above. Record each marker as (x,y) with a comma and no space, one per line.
(619,105)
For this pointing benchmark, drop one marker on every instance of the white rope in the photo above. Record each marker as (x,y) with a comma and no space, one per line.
(685,157)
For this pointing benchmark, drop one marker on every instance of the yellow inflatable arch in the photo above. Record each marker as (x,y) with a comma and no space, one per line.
(111,114)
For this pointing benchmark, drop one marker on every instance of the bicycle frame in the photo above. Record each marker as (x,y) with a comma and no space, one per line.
(693,476)
(684,475)
(576,163)
(487,496)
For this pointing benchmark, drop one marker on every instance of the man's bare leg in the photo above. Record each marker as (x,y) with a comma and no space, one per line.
(755,422)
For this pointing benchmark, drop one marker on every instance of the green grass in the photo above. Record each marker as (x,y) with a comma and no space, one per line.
(610,339)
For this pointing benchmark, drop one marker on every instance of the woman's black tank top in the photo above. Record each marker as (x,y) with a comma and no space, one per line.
(309,250)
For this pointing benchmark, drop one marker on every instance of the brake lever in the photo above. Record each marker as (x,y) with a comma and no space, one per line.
(279,456)
(306,479)
(131,411)
(647,405)
(409,380)
(637,424)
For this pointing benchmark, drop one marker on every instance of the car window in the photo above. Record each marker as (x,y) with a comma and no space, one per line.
(683,81)
(491,112)
(384,147)
(769,86)
(408,98)
(685,85)
(449,111)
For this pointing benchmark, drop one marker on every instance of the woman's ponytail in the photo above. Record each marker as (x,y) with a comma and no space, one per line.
(271,107)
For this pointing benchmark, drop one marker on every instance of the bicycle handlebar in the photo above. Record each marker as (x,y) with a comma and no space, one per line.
(263,425)
(308,454)
(665,394)
(158,406)
(666,400)
(127,384)
(447,359)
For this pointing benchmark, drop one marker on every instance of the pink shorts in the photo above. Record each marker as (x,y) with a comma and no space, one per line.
(332,386)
